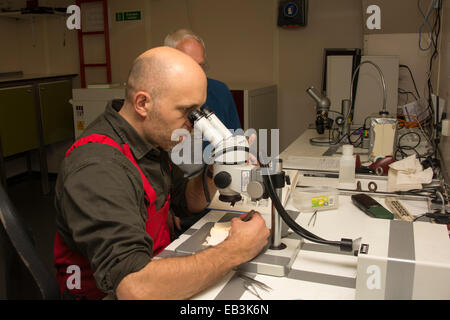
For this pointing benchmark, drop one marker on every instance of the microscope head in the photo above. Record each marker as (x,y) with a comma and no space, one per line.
(322,108)
(232,173)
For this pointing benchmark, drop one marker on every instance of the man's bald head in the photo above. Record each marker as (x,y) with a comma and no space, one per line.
(153,71)
(163,87)
(143,73)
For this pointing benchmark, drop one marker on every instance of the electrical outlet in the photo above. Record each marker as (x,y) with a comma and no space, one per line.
(445,127)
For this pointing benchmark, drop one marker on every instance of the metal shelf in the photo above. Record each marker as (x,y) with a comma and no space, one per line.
(18,15)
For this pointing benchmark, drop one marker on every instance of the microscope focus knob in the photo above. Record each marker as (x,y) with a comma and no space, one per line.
(340,121)
(255,189)
(222,180)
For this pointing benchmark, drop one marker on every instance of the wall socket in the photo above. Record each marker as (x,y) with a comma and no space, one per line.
(445,127)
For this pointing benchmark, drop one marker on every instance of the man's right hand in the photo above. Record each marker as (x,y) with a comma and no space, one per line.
(248,238)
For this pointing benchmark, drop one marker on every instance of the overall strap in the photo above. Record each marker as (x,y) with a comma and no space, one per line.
(125,149)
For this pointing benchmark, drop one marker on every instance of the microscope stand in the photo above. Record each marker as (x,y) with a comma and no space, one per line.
(274,262)
(269,262)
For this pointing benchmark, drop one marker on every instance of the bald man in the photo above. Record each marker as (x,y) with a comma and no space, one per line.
(219,99)
(117,185)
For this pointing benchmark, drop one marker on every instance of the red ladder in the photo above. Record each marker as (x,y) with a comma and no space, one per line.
(105,32)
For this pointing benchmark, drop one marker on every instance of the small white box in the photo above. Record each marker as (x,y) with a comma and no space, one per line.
(316,198)
(88,104)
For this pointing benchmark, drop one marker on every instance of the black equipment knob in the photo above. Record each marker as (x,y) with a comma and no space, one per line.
(222,180)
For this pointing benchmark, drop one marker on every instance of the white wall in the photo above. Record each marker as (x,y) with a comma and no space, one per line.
(238,34)
(38,45)
(244,45)
(331,24)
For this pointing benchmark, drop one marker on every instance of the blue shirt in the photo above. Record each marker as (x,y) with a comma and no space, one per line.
(220,100)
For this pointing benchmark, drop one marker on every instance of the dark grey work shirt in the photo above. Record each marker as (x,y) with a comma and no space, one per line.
(101,209)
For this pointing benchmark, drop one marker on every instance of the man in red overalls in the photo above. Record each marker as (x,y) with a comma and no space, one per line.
(117,188)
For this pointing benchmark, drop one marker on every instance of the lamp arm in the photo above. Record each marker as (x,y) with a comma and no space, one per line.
(384,110)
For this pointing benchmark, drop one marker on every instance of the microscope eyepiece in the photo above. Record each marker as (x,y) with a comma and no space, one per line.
(207,111)
(194,116)
(322,107)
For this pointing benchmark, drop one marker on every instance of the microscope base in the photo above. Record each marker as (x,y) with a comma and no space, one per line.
(274,262)
(320,141)
(269,262)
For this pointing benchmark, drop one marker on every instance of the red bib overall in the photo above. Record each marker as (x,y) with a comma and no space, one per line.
(155,226)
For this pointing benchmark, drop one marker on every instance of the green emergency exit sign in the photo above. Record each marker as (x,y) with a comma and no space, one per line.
(128,16)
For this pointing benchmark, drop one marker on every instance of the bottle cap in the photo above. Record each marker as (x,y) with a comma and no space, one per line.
(347,150)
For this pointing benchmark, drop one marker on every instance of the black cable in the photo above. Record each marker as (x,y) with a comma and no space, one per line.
(412,78)
(339,141)
(408,133)
(359,140)
(347,246)
(404,154)
(402,149)
(429,192)
(359,137)
(269,186)
(425,17)
(403,91)
(440,218)
(348,137)
(205,185)
(364,125)
(331,136)
(434,34)
(418,217)
(423,112)
(289,221)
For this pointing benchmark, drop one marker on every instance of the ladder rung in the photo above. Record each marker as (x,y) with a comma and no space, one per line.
(84,1)
(92,32)
(104,32)
(94,65)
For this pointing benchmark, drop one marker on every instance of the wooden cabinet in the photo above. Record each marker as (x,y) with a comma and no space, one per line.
(56,111)
(18,126)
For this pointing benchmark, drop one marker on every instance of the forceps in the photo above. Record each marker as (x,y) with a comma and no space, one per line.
(253,281)
(250,287)
(313,218)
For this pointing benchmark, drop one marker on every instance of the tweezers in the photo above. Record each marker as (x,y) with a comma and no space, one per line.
(250,287)
(313,217)
(260,284)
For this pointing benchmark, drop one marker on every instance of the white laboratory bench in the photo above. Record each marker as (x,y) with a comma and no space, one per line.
(300,154)
(412,258)
(321,272)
